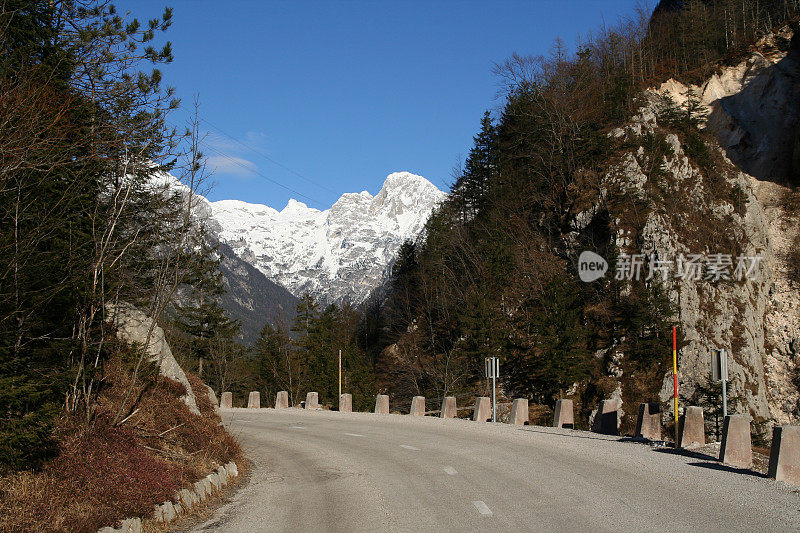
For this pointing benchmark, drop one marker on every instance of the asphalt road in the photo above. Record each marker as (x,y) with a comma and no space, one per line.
(330,471)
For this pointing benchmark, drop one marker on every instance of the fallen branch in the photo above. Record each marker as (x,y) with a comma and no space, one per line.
(170,429)
(127,417)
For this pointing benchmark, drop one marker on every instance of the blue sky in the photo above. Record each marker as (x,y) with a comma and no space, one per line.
(340,94)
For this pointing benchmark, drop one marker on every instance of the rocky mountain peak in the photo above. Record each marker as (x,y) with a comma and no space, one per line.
(339,254)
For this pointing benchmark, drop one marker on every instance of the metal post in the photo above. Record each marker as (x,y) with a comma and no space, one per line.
(675,377)
(723,374)
(719,373)
(494,400)
(724,398)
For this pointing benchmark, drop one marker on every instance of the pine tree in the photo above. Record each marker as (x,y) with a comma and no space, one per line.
(276,363)
(471,188)
(547,347)
(201,316)
(319,338)
(70,139)
(708,395)
(401,305)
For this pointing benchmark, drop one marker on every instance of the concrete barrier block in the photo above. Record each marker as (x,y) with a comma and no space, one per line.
(254,401)
(564,416)
(736,448)
(226,401)
(200,489)
(168,511)
(519,412)
(606,420)
(131,525)
(213,477)
(178,508)
(187,498)
(449,409)
(483,409)
(382,404)
(282,400)
(692,428)
(233,470)
(417,406)
(648,423)
(158,513)
(346,403)
(312,400)
(223,475)
(784,457)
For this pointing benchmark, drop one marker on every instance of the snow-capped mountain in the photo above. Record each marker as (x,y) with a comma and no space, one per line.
(339,254)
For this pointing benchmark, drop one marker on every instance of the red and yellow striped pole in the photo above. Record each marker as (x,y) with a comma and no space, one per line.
(675,377)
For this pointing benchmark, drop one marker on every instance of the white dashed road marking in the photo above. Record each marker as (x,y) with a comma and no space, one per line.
(353,435)
(407,447)
(450,470)
(298,427)
(482,508)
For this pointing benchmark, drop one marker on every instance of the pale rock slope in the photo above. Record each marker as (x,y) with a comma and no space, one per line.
(753,108)
(336,255)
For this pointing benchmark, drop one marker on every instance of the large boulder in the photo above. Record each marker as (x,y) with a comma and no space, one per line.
(136,328)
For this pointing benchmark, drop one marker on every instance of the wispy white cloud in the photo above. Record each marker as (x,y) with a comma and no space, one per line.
(218,142)
(230,156)
(232,165)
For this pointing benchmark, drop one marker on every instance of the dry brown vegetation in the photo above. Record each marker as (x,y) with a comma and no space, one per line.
(106,472)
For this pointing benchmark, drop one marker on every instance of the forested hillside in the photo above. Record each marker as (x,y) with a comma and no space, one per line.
(90,430)
(548,177)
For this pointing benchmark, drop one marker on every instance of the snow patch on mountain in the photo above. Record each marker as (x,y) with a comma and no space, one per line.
(339,254)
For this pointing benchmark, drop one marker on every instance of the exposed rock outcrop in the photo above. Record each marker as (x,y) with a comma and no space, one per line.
(701,217)
(135,327)
(753,108)
(782,320)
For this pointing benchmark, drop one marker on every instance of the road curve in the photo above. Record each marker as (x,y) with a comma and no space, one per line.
(330,471)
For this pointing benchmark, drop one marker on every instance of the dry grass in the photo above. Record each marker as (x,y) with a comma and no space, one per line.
(106,472)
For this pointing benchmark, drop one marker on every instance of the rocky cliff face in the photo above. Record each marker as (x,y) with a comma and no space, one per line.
(702,219)
(340,254)
(680,209)
(753,108)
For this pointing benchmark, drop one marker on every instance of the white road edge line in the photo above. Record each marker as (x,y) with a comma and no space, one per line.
(482,508)
(353,435)
(407,447)
(449,470)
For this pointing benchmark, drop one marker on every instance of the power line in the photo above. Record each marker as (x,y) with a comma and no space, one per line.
(254,171)
(268,158)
